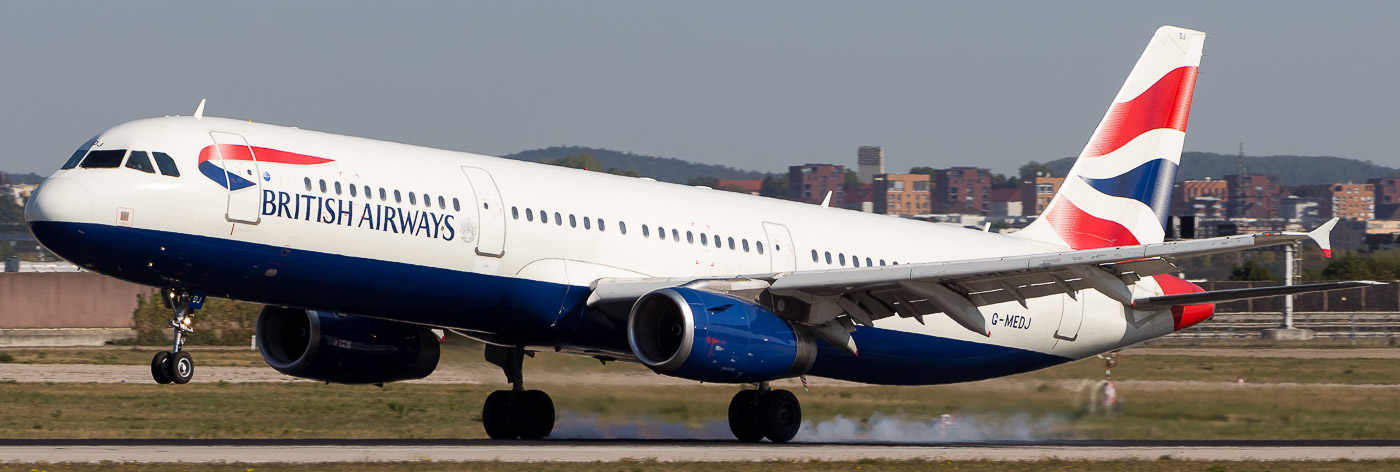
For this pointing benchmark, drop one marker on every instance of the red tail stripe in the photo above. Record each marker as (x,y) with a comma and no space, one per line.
(1166,104)
(239,152)
(1184,316)
(1084,231)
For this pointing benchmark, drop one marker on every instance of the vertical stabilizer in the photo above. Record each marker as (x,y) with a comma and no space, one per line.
(1119,191)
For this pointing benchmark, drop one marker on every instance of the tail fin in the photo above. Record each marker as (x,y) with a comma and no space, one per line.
(1119,190)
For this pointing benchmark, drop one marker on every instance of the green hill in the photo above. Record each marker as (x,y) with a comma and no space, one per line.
(665,169)
(1292,170)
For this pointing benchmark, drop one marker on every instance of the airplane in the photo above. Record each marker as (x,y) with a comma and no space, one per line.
(358,249)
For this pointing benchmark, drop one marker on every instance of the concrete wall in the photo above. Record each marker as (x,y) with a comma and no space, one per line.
(66,300)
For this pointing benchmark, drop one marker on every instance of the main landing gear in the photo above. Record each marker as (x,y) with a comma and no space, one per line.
(765,413)
(177,365)
(515,413)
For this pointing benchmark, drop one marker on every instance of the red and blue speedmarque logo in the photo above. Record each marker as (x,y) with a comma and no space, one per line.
(239,152)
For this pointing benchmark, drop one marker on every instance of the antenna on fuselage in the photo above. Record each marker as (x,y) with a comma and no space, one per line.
(199,111)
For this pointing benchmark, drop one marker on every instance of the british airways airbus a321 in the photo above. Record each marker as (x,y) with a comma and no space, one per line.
(360,248)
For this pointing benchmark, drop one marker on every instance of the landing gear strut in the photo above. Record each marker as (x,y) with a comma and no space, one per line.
(177,365)
(515,413)
(765,413)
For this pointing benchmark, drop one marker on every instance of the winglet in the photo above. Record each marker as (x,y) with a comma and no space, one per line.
(1323,236)
(826,201)
(199,111)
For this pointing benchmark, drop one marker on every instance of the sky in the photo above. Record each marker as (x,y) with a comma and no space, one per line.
(754,85)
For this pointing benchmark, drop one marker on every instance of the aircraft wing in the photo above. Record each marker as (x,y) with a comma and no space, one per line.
(828,298)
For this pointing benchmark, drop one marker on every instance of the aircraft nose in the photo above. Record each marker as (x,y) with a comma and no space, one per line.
(59,200)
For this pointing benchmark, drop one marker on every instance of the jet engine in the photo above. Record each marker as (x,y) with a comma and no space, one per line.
(336,348)
(710,337)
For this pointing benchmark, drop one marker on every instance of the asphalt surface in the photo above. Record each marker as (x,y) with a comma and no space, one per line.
(316,450)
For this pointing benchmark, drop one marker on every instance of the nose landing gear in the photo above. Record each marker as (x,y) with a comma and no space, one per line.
(515,413)
(765,413)
(177,365)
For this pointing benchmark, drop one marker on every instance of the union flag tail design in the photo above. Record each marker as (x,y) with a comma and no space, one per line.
(1119,190)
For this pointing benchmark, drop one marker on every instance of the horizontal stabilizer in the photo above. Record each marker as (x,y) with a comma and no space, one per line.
(1221,296)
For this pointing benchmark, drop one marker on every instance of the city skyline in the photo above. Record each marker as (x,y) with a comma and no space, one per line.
(749,86)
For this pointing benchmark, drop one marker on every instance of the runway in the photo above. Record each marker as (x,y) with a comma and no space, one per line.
(305,451)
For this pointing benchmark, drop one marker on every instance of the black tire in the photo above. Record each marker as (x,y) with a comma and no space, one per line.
(743,420)
(159,369)
(780,415)
(534,414)
(495,416)
(181,367)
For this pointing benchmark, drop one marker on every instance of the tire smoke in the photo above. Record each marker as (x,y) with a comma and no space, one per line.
(879,427)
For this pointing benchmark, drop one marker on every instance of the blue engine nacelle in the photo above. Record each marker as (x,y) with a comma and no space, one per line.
(710,337)
(329,347)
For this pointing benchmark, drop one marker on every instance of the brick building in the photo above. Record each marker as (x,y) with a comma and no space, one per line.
(1348,202)
(1253,195)
(1036,193)
(1204,198)
(810,182)
(901,194)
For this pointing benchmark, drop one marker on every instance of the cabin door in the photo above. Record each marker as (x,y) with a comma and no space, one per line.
(491,221)
(241,177)
(1071,317)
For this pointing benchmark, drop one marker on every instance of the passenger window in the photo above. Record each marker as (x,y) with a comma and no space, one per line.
(427,201)
(842,259)
(704,241)
(622,227)
(675,235)
(412,199)
(731,242)
(882,262)
(514,213)
(828,257)
(352,191)
(661,233)
(369,193)
(529,215)
(139,161)
(895,263)
(544,217)
(337,188)
(456,205)
(167,166)
(398,197)
(586,223)
(867,263)
(746,245)
(718,244)
(814,255)
(442,203)
(601,226)
(690,237)
(307,181)
(760,246)
(855,261)
(323,186)
(558,220)
(646,232)
(383,195)
(573,223)
(108,159)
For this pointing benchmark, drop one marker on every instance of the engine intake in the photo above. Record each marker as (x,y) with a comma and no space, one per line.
(329,347)
(710,337)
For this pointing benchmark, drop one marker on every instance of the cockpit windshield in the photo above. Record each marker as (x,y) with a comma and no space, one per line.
(104,159)
(139,161)
(78,155)
(113,158)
